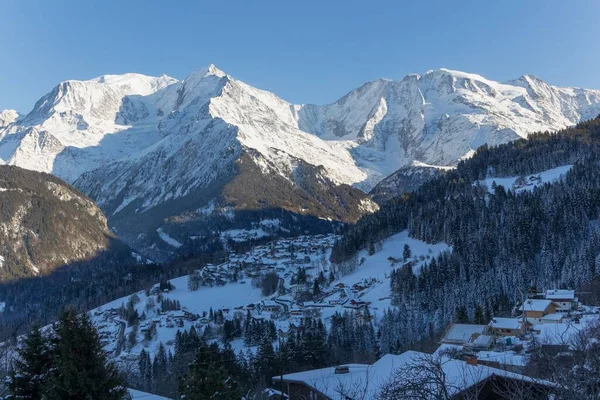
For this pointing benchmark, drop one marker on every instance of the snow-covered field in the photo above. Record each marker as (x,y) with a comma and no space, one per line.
(530,182)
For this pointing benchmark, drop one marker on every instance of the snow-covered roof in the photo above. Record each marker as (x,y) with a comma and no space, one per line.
(463,332)
(553,317)
(368,379)
(505,323)
(270,303)
(560,294)
(326,381)
(138,394)
(536,305)
(503,357)
(483,341)
(561,333)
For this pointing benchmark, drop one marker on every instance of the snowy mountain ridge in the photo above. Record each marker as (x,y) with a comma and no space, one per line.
(136,143)
(435,118)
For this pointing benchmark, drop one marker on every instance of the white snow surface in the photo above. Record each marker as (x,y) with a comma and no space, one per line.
(368,379)
(168,239)
(7,117)
(157,139)
(531,181)
(138,395)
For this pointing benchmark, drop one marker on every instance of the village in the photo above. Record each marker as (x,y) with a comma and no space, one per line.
(284,281)
(287,280)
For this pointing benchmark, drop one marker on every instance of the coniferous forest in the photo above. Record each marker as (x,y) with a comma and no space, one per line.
(503,243)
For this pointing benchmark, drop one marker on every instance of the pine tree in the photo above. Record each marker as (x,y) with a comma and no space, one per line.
(160,367)
(478,317)
(316,289)
(145,369)
(80,368)
(31,368)
(209,377)
(406,253)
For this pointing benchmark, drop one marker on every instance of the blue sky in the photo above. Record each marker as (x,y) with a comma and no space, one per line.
(304,51)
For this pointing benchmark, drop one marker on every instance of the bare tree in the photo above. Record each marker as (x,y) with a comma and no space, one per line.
(422,378)
(438,377)
(576,371)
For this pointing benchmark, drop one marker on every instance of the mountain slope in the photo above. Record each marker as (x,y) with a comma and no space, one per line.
(157,150)
(407,179)
(45,224)
(441,117)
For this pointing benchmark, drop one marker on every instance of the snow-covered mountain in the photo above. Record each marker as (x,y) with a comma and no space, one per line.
(440,117)
(162,150)
(7,117)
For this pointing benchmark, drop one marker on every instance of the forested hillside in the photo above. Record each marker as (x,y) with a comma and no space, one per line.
(45,224)
(504,241)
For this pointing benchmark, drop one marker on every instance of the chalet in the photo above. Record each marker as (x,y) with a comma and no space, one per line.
(507,326)
(360,304)
(461,334)
(564,300)
(357,287)
(270,306)
(462,379)
(534,309)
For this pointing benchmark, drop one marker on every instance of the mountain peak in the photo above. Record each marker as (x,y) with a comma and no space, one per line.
(529,79)
(7,117)
(211,70)
(455,74)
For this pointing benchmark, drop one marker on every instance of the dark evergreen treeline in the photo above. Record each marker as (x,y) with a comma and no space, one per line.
(67,363)
(503,243)
(201,366)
